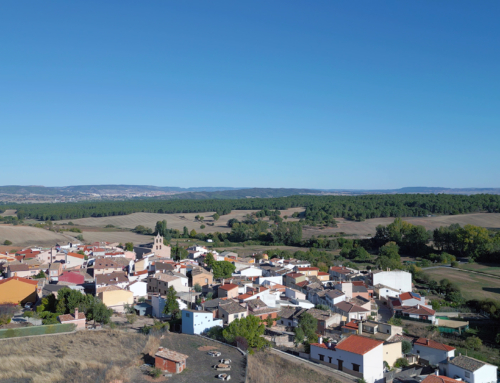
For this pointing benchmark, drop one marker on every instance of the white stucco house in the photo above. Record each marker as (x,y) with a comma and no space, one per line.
(432,351)
(198,322)
(356,355)
(397,279)
(469,370)
(139,288)
(249,271)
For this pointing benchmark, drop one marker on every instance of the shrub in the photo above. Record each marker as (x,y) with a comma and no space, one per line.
(202,226)
(131,318)
(156,372)
(401,362)
(454,264)
(406,347)
(7,242)
(395,321)
(473,343)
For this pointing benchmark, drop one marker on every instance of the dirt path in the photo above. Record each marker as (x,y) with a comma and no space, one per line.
(324,370)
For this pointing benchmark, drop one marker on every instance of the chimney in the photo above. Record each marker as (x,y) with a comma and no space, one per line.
(76,313)
(320,340)
(329,344)
(436,372)
(427,341)
(360,327)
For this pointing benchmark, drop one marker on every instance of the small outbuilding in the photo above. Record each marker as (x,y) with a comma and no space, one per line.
(77,319)
(171,361)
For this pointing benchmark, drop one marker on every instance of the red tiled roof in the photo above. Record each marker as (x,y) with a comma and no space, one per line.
(322,345)
(405,296)
(440,379)
(302,284)
(76,255)
(294,275)
(228,286)
(395,302)
(358,344)
(322,273)
(433,344)
(358,283)
(30,281)
(141,272)
(351,325)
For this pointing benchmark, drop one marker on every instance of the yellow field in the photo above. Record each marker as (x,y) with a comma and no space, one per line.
(32,236)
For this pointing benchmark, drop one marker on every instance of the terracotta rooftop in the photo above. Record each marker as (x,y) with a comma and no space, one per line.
(439,379)
(420,310)
(350,308)
(307,268)
(19,267)
(171,355)
(228,286)
(433,344)
(30,281)
(294,275)
(76,255)
(358,344)
(70,317)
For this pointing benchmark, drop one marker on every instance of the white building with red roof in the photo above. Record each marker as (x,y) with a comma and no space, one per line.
(78,319)
(432,351)
(356,355)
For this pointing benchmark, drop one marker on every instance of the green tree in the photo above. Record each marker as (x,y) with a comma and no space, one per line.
(473,343)
(216,217)
(193,233)
(223,269)
(210,260)
(406,346)
(161,228)
(250,328)
(197,288)
(185,232)
(7,242)
(129,246)
(309,326)
(171,304)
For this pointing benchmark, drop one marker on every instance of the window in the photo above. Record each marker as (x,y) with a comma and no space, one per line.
(321,357)
(188,315)
(355,367)
(467,374)
(330,359)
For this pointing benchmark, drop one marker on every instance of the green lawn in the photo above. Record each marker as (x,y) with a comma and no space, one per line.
(472,286)
(490,268)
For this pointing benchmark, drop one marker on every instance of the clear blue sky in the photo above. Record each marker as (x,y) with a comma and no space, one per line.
(317,94)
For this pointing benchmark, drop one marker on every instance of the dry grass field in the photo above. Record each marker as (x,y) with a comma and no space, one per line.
(8,213)
(264,367)
(31,236)
(368,227)
(174,221)
(115,236)
(78,358)
(472,286)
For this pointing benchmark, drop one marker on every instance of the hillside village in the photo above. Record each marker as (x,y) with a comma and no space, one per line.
(357,315)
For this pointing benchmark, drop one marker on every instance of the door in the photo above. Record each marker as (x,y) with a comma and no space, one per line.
(341,363)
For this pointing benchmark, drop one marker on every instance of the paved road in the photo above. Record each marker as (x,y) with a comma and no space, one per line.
(384,312)
(320,368)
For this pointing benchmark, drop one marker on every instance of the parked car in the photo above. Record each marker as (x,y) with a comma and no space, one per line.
(214,353)
(28,305)
(222,367)
(225,361)
(224,376)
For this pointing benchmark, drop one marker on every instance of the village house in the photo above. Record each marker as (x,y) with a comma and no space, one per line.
(417,312)
(18,270)
(198,322)
(293,279)
(171,361)
(249,271)
(139,289)
(55,269)
(342,273)
(258,308)
(468,370)
(230,310)
(351,311)
(78,319)
(72,277)
(74,260)
(18,290)
(307,271)
(397,279)
(323,277)
(112,279)
(201,276)
(228,290)
(161,282)
(115,297)
(431,351)
(356,355)
(107,266)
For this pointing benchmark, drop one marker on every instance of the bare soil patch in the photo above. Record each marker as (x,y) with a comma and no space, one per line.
(32,236)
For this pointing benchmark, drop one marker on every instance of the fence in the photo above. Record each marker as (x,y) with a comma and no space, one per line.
(413,319)
(36,330)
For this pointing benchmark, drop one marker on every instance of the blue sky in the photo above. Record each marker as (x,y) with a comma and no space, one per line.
(322,94)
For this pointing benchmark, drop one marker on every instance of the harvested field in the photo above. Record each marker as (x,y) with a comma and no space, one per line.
(174,221)
(472,286)
(31,236)
(490,268)
(8,213)
(115,236)
(265,367)
(368,227)
(81,357)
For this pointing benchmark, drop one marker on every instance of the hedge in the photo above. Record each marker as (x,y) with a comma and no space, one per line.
(36,330)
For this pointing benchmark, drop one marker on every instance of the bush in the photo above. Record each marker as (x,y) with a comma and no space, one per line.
(395,321)
(156,372)
(454,264)
(406,347)
(131,318)
(202,226)
(7,242)
(473,343)
(401,362)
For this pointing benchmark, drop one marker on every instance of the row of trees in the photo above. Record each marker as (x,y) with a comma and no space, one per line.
(319,209)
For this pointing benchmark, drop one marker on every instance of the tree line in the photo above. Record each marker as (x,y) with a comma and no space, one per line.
(318,209)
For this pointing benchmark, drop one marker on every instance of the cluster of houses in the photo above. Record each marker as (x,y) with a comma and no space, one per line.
(354,335)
